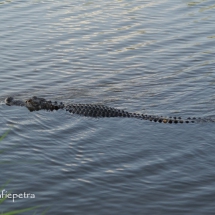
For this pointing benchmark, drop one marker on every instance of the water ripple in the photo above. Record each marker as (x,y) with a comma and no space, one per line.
(152,57)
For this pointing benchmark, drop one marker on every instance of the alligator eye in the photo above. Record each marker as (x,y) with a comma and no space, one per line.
(29,100)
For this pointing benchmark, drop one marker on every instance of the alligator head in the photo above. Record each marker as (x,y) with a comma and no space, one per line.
(34,103)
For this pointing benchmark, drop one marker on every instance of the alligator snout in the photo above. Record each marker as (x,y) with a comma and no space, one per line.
(8,101)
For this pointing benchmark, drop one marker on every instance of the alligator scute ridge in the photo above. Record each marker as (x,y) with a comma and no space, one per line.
(93,110)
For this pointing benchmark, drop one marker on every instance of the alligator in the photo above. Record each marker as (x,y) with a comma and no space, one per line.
(92,110)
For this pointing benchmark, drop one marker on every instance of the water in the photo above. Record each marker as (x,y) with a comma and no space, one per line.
(152,57)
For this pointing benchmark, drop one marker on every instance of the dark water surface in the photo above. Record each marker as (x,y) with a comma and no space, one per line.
(152,57)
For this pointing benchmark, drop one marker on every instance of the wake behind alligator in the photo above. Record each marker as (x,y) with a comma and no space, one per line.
(92,110)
